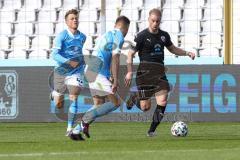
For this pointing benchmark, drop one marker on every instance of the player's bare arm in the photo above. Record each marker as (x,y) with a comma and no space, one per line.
(128,76)
(180,52)
(115,70)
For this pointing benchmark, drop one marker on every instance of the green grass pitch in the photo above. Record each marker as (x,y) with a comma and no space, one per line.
(117,141)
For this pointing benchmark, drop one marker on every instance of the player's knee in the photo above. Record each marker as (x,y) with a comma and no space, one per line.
(60,104)
(117,104)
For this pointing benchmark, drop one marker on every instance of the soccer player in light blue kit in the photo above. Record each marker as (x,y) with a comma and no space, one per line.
(68,74)
(107,51)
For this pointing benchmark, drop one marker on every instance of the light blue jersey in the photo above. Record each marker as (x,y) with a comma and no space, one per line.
(69,47)
(109,43)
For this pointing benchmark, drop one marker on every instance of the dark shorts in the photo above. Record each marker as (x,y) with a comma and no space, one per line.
(150,79)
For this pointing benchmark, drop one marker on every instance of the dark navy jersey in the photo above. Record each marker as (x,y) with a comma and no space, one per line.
(150,47)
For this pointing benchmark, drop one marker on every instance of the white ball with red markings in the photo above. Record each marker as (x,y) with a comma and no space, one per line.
(179,129)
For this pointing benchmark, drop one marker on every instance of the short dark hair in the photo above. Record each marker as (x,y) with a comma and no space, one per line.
(155,11)
(123,19)
(72,11)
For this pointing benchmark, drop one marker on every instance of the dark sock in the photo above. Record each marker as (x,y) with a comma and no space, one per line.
(157,117)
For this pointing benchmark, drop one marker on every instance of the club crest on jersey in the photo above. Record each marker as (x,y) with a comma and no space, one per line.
(163,38)
(76,48)
(157,48)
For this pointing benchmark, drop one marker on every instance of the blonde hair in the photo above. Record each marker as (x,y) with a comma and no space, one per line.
(155,11)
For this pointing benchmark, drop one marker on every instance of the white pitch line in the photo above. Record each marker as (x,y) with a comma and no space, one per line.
(111,152)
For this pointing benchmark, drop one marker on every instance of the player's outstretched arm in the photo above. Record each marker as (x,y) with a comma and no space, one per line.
(128,77)
(115,70)
(180,52)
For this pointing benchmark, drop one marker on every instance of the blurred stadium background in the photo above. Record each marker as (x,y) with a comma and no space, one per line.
(28,27)
(211,28)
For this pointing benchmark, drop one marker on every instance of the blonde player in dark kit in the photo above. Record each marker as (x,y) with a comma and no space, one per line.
(151,79)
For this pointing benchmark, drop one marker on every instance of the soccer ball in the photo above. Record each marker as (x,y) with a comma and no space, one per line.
(179,129)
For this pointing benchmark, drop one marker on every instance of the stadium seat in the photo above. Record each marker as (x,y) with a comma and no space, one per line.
(93,38)
(47,16)
(7,53)
(220,50)
(38,47)
(45,28)
(1,4)
(138,3)
(172,4)
(34,42)
(204,38)
(110,25)
(111,15)
(190,39)
(180,39)
(217,13)
(170,14)
(136,14)
(198,51)
(134,27)
(27,16)
(141,25)
(52,4)
(201,3)
(7,15)
(11,4)
(84,27)
(27,52)
(217,3)
(84,16)
(30,39)
(190,26)
(73,4)
(191,4)
(174,39)
(190,14)
(20,42)
(170,26)
(127,12)
(59,27)
(125,3)
(88,45)
(5,42)
(205,26)
(32,5)
(23,28)
(7,28)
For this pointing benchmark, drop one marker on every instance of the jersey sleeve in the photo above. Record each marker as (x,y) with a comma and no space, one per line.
(138,43)
(56,49)
(168,41)
(84,38)
(117,44)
